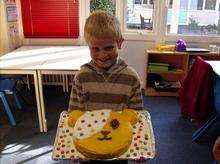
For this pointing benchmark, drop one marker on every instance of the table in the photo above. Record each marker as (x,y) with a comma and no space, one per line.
(209,129)
(25,60)
(216,69)
(67,60)
(39,60)
(215,66)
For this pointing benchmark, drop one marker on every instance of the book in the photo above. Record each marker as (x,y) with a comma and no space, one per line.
(167,86)
(159,64)
(155,68)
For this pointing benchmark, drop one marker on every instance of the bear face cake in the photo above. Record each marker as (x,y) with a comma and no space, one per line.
(102,134)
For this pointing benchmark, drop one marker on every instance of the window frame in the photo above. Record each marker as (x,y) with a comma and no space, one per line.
(136,35)
(190,38)
(157,35)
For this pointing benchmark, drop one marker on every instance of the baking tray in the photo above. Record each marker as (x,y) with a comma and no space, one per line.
(142,146)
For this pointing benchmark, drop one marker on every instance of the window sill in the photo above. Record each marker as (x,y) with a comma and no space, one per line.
(53,41)
(139,36)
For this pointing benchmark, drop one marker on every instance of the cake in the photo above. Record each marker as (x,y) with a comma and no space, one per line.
(102,134)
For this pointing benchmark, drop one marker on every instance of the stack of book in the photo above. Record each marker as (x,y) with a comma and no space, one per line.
(158,67)
(167,86)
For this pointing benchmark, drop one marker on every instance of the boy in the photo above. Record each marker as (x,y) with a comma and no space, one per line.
(106,82)
(216,150)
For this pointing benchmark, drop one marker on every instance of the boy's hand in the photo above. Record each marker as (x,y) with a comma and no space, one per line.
(216,150)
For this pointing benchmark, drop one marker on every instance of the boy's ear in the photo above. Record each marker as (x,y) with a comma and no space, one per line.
(119,42)
(130,115)
(73,117)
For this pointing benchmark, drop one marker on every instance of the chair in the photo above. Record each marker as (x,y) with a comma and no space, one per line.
(146,25)
(196,93)
(8,86)
(210,130)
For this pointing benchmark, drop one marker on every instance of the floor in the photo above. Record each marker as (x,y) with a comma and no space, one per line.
(24,143)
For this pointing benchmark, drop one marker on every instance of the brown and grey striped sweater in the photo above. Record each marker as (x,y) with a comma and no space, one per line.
(117,89)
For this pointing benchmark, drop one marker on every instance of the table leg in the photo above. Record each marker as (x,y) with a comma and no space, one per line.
(28,82)
(64,83)
(67,85)
(42,100)
(36,85)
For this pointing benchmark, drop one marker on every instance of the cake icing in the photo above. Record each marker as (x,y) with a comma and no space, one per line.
(102,134)
(90,123)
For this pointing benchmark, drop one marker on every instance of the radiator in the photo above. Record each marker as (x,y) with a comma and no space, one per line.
(58,80)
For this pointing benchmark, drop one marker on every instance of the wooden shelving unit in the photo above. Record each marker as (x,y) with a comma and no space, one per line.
(149,91)
(179,63)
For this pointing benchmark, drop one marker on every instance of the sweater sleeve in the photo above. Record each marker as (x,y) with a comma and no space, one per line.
(136,99)
(76,98)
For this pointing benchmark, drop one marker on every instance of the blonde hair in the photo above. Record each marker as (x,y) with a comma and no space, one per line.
(102,24)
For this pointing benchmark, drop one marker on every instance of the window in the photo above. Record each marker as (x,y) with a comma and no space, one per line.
(195,20)
(139,17)
(50,18)
(60,18)
(170,3)
(196,5)
(106,5)
(210,4)
(145,1)
(184,4)
(137,2)
(200,5)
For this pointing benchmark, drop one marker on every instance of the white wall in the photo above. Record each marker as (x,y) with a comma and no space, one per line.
(134,54)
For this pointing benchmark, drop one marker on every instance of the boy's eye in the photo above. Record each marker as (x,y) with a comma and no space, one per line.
(110,48)
(95,48)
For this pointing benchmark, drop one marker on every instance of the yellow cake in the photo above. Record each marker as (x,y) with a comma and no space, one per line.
(102,134)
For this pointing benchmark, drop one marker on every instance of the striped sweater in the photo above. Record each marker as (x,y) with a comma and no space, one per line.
(116,89)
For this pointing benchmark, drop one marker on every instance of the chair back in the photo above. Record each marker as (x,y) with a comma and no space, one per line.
(196,92)
(217,93)
(142,22)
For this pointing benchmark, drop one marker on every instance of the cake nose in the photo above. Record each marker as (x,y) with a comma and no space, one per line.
(105,132)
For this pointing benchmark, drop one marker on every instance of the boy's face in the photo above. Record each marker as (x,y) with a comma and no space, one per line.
(104,52)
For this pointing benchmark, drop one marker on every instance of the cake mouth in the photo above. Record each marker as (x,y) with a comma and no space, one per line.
(104,135)
(104,138)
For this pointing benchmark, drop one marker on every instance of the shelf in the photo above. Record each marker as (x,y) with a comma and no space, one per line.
(152,92)
(165,52)
(179,61)
(167,72)
(216,54)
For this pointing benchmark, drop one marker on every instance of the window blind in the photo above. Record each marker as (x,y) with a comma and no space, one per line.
(50,18)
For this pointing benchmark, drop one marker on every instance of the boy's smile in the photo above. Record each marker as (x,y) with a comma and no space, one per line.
(104,52)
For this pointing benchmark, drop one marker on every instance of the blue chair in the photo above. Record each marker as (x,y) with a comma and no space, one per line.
(8,86)
(210,130)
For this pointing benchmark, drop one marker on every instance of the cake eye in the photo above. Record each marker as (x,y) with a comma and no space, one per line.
(114,124)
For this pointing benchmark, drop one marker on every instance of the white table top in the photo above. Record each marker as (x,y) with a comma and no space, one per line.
(215,66)
(46,58)
(26,57)
(67,58)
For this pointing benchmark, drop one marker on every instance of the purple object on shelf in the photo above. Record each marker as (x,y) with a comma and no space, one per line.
(180,45)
